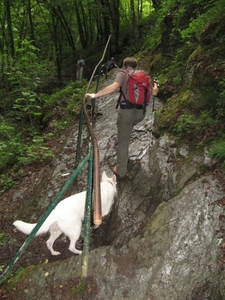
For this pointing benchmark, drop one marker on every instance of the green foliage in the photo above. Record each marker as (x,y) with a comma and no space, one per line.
(18,276)
(175,41)
(185,124)
(173,109)
(218,151)
(72,92)
(27,108)
(36,152)
(1,238)
(190,125)
(208,12)
(192,71)
(220,103)
(10,145)
(64,105)
(16,152)
(178,117)
(5,183)
(79,289)
(26,78)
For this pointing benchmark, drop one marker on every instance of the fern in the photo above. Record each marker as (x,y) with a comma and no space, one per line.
(218,151)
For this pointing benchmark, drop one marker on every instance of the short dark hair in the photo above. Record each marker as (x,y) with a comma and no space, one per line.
(130,62)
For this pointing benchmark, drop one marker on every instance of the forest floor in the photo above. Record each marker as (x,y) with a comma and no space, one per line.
(36,252)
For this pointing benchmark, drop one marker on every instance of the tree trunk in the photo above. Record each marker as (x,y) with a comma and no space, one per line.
(30,21)
(115,16)
(133,17)
(106,17)
(58,46)
(10,41)
(82,32)
(156,4)
(64,23)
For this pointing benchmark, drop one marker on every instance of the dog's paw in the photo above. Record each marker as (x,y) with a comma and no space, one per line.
(55,253)
(75,251)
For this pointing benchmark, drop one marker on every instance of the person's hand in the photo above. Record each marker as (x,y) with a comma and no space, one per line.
(156,82)
(155,89)
(90,95)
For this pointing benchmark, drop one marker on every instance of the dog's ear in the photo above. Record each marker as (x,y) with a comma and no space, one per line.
(114,178)
(104,176)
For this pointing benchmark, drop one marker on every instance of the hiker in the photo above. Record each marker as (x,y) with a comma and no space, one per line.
(108,66)
(80,68)
(127,118)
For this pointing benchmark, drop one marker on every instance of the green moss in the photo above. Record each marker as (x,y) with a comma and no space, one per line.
(173,108)
(79,289)
(21,275)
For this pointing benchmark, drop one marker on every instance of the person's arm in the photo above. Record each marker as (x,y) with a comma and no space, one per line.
(107,90)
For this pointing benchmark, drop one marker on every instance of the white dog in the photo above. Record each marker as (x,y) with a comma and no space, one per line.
(68,215)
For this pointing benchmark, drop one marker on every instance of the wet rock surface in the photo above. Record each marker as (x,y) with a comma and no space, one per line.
(164,236)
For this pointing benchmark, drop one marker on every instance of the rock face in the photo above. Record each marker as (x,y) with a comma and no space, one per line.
(162,239)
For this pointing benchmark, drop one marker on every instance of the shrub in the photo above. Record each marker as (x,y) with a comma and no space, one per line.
(218,151)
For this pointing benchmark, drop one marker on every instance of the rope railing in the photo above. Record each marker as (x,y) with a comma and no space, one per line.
(96,176)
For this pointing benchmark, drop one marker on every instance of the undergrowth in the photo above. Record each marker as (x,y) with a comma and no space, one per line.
(21,146)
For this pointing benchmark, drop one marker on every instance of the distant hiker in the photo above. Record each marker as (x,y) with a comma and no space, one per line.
(128,114)
(80,68)
(108,66)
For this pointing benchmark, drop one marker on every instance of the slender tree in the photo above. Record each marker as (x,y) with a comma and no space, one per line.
(9,36)
(81,22)
(58,45)
(156,4)
(63,21)
(30,18)
(133,17)
(115,17)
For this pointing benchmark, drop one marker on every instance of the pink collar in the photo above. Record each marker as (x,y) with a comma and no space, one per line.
(110,182)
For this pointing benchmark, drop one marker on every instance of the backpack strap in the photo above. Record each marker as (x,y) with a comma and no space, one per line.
(128,76)
(118,101)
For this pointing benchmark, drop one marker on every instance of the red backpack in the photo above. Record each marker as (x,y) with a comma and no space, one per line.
(138,87)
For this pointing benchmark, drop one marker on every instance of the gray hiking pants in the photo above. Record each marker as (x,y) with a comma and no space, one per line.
(126,120)
(79,73)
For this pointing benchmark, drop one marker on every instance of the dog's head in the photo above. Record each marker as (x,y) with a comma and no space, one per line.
(110,179)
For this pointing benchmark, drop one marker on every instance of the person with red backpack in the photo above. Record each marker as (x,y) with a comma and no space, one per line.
(135,92)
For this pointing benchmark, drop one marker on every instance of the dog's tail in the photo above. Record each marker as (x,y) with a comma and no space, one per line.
(28,227)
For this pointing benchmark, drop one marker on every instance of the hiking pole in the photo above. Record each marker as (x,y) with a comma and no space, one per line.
(153,104)
(92,109)
(93,99)
(96,89)
(103,55)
